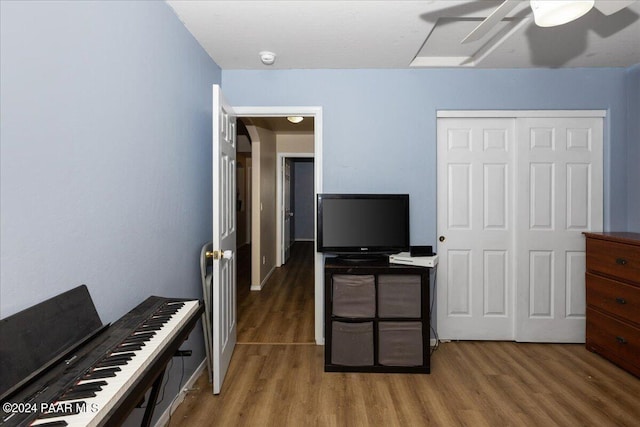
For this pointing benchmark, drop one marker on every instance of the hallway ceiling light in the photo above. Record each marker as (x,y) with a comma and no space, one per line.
(295,119)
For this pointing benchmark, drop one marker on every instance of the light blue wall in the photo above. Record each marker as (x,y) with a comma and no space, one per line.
(633,141)
(105,156)
(380,125)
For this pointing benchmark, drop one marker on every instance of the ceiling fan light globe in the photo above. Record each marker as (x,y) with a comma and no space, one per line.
(549,13)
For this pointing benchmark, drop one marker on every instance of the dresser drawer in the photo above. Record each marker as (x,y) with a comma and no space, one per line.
(619,260)
(613,338)
(614,297)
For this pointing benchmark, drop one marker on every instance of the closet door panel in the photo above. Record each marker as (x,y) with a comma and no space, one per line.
(475,193)
(559,196)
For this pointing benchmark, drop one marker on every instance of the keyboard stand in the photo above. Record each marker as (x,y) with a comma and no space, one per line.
(153,398)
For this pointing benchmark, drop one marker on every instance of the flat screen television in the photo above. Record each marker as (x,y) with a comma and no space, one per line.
(365,224)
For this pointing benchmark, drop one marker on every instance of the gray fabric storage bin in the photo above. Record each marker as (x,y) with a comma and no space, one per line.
(399,295)
(400,343)
(354,295)
(352,343)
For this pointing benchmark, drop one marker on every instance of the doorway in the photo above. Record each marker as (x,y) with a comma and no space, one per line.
(295,201)
(263,204)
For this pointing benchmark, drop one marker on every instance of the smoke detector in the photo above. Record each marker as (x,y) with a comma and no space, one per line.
(267,58)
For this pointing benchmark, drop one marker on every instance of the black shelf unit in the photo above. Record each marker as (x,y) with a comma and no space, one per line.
(376,317)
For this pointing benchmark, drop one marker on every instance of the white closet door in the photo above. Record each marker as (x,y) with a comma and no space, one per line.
(514,196)
(559,196)
(475,228)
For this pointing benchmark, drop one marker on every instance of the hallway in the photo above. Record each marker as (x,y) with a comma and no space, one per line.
(282,312)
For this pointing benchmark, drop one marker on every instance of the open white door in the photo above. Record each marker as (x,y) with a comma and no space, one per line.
(224,237)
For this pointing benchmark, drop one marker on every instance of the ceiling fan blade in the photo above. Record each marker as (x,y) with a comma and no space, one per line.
(609,7)
(491,21)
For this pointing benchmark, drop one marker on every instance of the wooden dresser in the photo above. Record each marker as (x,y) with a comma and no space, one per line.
(613,298)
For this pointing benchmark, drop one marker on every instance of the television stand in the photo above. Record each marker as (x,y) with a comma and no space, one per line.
(376,317)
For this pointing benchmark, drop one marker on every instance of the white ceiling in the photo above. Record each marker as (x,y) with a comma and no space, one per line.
(403,34)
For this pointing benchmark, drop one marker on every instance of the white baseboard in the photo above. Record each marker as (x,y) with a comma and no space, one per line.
(166,415)
(264,281)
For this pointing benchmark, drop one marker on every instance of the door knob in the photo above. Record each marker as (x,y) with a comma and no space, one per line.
(442,238)
(228,254)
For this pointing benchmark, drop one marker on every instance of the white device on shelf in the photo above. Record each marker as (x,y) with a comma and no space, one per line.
(405,258)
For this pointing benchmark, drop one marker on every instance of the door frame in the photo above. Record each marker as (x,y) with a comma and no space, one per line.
(316,113)
(515,114)
(280,200)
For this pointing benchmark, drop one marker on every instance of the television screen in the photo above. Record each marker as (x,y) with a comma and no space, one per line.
(363,223)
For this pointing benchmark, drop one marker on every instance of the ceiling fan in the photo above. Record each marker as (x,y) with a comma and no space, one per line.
(547,13)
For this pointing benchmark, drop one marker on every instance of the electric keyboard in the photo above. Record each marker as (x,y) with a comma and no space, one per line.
(103,379)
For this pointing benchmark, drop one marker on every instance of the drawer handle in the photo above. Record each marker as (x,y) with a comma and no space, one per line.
(621,261)
(621,340)
(621,300)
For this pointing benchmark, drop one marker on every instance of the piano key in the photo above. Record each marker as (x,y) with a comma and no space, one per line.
(165,312)
(97,407)
(129,347)
(120,356)
(101,373)
(110,363)
(137,338)
(61,423)
(83,394)
(150,328)
(93,385)
(137,334)
(115,359)
(157,319)
(154,327)
(141,334)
